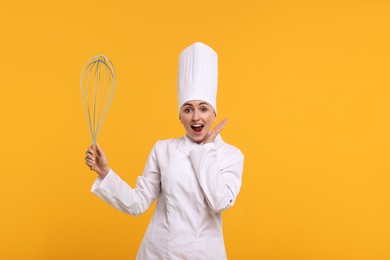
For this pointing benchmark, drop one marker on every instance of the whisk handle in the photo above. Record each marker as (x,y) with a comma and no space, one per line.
(94,151)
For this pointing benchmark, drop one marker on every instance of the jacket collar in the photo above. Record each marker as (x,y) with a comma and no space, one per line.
(189,144)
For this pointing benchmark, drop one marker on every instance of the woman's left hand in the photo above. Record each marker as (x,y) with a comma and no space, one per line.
(217,129)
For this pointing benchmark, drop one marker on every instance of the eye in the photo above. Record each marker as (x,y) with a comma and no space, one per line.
(203,109)
(187,110)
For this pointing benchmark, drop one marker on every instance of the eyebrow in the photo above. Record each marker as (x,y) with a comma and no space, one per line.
(201,103)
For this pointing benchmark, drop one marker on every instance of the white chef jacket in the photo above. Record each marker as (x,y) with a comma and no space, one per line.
(194,183)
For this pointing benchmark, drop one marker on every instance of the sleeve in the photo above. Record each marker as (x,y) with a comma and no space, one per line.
(220,185)
(134,201)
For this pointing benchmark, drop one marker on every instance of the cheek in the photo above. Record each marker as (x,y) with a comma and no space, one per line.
(183,119)
(184,122)
(208,122)
(210,119)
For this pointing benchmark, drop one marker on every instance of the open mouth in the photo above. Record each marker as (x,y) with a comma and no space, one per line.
(197,128)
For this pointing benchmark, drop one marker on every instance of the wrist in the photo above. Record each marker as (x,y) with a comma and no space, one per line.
(104,172)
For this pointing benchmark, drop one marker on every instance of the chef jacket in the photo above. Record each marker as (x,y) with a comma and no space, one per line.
(193,184)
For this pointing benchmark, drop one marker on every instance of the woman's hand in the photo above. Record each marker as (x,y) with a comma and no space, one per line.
(217,129)
(96,160)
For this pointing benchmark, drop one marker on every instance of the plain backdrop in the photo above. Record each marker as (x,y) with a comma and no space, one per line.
(304,83)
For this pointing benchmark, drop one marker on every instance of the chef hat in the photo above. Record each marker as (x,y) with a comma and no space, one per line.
(198,75)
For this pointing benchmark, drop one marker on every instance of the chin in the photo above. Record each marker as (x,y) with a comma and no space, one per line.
(197,139)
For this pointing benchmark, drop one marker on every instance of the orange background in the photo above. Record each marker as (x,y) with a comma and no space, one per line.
(304,83)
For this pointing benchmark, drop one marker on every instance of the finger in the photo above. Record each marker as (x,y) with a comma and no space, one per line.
(92,160)
(89,160)
(89,151)
(217,129)
(99,150)
(221,125)
(89,164)
(89,155)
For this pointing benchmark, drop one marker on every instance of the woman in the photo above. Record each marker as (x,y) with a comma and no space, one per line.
(193,178)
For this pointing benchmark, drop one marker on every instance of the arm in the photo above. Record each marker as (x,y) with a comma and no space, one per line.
(220,185)
(134,201)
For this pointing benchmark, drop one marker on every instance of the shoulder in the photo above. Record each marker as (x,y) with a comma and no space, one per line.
(166,143)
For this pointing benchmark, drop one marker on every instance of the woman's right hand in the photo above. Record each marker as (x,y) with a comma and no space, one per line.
(96,160)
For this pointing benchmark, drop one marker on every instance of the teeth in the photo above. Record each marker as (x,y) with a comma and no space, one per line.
(196,125)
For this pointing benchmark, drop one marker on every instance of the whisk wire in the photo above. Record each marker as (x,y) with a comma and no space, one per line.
(97,84)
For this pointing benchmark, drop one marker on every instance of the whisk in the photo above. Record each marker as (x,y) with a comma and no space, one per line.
(97,84)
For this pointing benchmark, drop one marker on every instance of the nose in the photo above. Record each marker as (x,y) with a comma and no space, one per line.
(195,116)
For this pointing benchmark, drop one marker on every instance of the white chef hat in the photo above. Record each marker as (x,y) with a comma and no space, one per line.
(198,75)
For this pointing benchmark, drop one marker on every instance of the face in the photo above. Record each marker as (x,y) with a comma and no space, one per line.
(197,117)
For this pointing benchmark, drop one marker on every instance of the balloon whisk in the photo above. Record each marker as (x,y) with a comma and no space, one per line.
(97,84)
